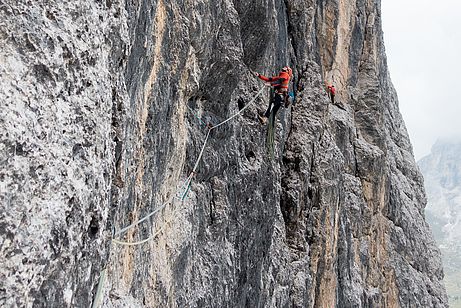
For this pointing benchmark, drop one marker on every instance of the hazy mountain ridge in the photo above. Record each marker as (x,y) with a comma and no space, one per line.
(442,180)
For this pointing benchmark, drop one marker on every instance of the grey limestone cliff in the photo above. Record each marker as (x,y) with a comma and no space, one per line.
(96,132)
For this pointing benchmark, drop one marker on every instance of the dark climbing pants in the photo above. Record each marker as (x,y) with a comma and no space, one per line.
(277,102)
(332,96)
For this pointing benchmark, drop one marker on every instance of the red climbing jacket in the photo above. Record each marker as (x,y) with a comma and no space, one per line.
(332,89)
(281,81)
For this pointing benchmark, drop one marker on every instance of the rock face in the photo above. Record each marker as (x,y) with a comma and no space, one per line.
(442,180)
(97,131)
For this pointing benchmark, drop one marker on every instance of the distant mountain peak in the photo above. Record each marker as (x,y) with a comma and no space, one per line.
(442,180)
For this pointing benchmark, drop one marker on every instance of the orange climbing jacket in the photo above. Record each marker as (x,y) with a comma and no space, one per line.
(280,82)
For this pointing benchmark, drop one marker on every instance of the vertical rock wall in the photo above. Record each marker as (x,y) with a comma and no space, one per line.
(59,80)
(335,219)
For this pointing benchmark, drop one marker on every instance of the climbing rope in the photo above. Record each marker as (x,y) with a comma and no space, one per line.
(123,243)
(181,192)
(100,290)
(121,231)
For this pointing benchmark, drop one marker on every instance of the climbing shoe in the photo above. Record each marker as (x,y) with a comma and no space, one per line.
(287,103)
(340,105)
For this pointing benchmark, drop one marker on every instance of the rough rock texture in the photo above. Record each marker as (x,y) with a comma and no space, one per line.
(96,133)
(59,79)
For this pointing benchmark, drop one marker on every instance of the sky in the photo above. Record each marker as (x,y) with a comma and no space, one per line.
(423,47)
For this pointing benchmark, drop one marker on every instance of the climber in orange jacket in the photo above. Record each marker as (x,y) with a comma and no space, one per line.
(280,85)
(331,93)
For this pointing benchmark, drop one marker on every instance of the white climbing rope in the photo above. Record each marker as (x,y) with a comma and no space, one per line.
(181,192)
(247,105)
(123,243)
(99,293)
(121,231)
(201,152)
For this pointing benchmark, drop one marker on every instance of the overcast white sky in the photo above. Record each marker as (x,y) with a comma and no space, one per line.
(423,47)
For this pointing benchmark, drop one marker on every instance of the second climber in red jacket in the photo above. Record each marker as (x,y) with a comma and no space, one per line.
(331,93)
(280,85)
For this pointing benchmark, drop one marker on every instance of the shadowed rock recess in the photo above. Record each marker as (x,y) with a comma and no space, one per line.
(95,133)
